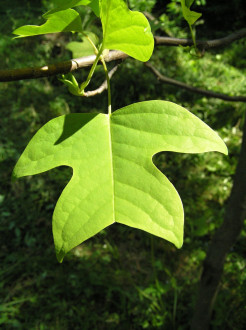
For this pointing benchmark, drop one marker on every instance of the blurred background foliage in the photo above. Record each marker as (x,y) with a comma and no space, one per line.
(122,278)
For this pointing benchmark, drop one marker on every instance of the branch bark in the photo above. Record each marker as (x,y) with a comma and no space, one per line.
(221,243)
(58,68)
(82,62)
(104,85)
(201,44)
(192,89)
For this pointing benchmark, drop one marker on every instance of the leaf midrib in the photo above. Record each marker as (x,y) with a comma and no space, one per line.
(112,165)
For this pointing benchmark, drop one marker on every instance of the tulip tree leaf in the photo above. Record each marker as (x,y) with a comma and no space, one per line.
(83,48)
(126,30)
(114,179)
(66,4)
(63,21)
(190,16)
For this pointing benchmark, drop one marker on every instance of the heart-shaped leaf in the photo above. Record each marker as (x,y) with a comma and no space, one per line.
(126,30)
(63,21)
(114,179)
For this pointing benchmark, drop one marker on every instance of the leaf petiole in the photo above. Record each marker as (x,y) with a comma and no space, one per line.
(193,36)
(108,85)
(91,42)
(86,83)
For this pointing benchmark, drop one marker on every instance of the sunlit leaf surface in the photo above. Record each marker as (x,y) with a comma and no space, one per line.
(114,178)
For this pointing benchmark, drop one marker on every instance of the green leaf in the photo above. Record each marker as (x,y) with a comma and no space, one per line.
(66,4)
(114,179)
(83,48)
(62,21)
(126,30)
(188,3)
(95,7)
(190,16)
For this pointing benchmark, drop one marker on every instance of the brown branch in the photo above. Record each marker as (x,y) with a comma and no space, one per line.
(104,85)
(58,68)
(78,63)
(192,89)
(201,44)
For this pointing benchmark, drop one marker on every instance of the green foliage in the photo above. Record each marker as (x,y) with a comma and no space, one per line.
(109,282)
(62,21)
(123,144)
(85,47)
(190,16)
(63,5)
(142,5)
(126,30)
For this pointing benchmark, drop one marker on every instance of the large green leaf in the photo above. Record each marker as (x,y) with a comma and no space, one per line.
(126,30)
(114,179)
(66,4)
(63,21)
(190,16)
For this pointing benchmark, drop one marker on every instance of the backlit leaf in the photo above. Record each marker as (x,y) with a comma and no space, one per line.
(126,30)
(190,16)
(62,21)
(114,179)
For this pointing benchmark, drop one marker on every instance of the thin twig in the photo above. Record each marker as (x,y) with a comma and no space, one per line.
(194,89)
(82,62)
(201,44)
(104,85)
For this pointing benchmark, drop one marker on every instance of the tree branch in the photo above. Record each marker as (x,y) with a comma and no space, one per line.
(201,44)
(192,89)
(58,68)
(104,85)
(82,62)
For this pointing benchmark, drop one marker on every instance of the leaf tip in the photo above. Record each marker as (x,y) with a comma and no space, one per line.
(14,176)
(60,256)
(179,244)
(223,148)
(225,152)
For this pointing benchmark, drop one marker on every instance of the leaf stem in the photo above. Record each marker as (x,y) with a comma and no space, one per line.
(86,83)
(193,38)
(108,85)
(91,42)
(99,57)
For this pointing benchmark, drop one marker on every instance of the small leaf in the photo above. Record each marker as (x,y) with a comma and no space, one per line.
(95,7)
(83,48)
(66,4)
(62,21)
(70,81)
(114,179)
(188,3)
(190,16)
(126,30)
